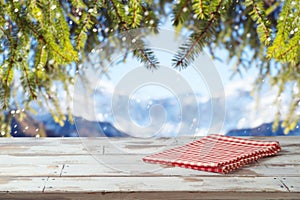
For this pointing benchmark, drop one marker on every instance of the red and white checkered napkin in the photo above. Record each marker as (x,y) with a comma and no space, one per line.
(215,153)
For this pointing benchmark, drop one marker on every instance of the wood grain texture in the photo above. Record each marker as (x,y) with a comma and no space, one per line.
(235,195)
(31,170)
(163,184)
(112,168)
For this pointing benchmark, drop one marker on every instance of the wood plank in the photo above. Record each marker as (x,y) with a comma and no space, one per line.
(47,160)
(292,183)
(30,170)
(128,148)
(280,159)
(234,195)
(147,170)
(79,149)
(135,158)
(292,170)
(143,188)
(65,150)
(22,184)
(87,165)
(115,159)
(46,146)
(163,184)
(98,141)
(143,170)
(36,149)
(289,140)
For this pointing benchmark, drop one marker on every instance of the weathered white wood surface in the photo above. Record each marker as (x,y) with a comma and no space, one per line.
(102,168)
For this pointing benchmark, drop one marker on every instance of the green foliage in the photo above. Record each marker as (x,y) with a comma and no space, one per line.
(200,8)
(285,47)
(135,10)
(181,12)
(188,51)
(258,15)
(42,43)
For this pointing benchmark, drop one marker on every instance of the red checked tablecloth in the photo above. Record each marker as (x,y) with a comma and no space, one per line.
(215,153)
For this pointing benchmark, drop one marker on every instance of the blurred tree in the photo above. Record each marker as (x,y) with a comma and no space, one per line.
(43,42)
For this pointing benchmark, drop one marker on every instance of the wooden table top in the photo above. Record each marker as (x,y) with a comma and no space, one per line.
(112,168)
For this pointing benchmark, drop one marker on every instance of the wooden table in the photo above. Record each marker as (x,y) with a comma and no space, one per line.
(102,168)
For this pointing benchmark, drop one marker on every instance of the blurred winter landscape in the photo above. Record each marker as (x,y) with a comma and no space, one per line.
(243,115)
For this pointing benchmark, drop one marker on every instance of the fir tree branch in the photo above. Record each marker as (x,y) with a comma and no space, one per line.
(6,85)
(40,61)
(135,14)
(78,4)
(9,74)
(68,60)
(51,45)
(31,89)
(42,37)
(182,61)
(81,38)
(261,20)
(148,57)
(284,25)
(258,15)
(281,26)
(200,8)
(86,25)
(284,53)
(180,12)
(145,55)
(136,9)
(121,21)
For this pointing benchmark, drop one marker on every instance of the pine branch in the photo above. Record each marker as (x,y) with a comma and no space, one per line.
(290,48)
(286,45)
(266,38)
(147,56)
(30,84)
(290,53)
(6,85)
(9,75)
(279,36)
(50,43)
(144,55)
(78,4)
(63,31)
(136,9)
(200,8)
(119,16)
(40,61)
(188,51)
(86,24)
(82,36)
(44,34)
(179,11)
(258,15)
